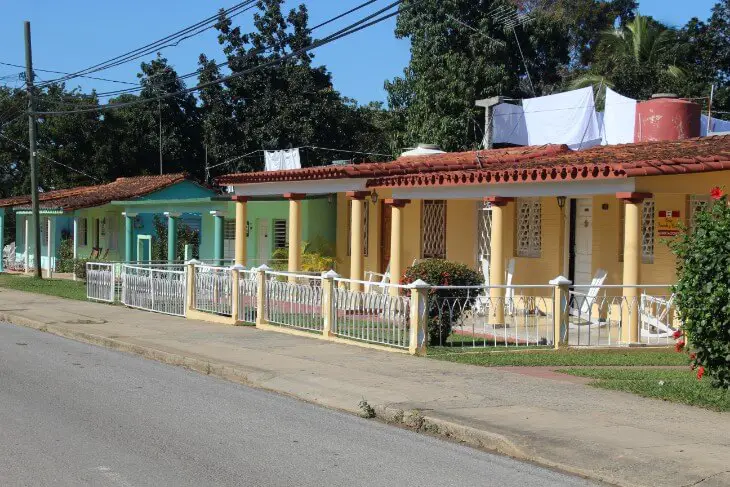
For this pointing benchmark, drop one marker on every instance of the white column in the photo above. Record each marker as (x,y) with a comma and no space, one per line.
(27,246)
(76,237)
(49,247)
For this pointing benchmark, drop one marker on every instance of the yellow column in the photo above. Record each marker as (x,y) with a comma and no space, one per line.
(240,254)
(357,253)
(295,232)
(396,241)
(632,265)
(496,264)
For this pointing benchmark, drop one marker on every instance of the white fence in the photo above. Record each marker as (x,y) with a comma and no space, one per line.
(247,294)
(598,314)
(489,316)
(213,290)
(374,317)
(294,300)
(154,289)
(100,281)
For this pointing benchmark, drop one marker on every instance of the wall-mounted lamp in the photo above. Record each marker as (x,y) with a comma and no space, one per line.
(330,198)
(248,228)
(374,197)
(561,201)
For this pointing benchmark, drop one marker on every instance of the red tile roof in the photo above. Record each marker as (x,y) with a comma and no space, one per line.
(450,161)
(89,196)
(617,161)
(521,164)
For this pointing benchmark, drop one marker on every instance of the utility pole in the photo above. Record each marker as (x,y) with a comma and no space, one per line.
(159,113)
(32,149)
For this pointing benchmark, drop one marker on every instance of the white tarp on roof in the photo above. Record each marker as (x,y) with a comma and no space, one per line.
(619,119)
(565,118)
(280,160)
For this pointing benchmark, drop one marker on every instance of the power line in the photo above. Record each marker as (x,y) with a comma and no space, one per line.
(349,30)
(63,72)
(168,41)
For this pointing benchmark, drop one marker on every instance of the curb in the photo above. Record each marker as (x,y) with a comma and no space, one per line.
(412,419)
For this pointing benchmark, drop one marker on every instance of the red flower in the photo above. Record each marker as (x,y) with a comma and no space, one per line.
(692,356)
(716,193)
(700,372)
(679,345)
(677,334)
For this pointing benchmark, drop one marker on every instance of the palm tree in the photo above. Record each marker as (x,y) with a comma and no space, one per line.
(634,57)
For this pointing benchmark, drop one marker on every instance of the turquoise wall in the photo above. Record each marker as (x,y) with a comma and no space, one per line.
(181,190)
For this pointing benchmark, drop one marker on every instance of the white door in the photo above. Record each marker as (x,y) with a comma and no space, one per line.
(583,241)
(264,246)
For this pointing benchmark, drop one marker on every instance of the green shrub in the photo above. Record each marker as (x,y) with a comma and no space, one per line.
(185,236)
(438,272)
(703,290)
(65,262)
(317,256)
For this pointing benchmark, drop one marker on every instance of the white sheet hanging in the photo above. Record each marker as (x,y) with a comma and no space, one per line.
(565,118)
(716,125)
(619,119)
(281,160)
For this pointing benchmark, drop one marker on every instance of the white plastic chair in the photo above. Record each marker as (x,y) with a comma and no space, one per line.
(655,316)
(481,304)
(582,303)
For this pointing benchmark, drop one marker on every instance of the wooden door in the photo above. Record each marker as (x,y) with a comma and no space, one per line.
(583,241)
(385,218)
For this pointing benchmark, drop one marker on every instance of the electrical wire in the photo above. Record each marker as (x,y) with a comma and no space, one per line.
(349,30)
(63,72)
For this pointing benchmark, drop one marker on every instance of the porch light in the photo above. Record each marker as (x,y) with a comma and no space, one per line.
(374,197)
(561,202)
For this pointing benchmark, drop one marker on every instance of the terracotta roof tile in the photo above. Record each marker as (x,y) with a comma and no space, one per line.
(451,161)
(89,196)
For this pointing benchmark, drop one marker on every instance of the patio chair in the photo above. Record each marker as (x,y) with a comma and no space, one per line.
(656,320)
(106,254)
(95,251)
(581,304)
(377,281)
(481,304)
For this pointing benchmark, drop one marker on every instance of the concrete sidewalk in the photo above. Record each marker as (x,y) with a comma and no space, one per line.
(611,436)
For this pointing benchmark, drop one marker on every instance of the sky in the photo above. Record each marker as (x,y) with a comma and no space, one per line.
(71,35)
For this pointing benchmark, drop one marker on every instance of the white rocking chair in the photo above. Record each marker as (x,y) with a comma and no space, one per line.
(582,303)
(377,281)
(482,302)
(656,317)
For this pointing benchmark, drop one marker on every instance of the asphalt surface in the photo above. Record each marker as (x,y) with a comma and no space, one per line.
(75,414)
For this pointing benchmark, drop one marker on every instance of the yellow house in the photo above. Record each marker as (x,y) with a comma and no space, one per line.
(554,211)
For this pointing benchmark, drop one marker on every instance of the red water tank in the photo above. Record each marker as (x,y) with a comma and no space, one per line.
(666,117)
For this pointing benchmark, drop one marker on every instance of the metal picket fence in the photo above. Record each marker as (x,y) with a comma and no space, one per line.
(213,290)
(156,289)
(294,300)
(247,293)
(100,281)
(374,317)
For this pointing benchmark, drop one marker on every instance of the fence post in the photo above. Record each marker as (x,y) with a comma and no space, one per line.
(328,301)
(560,310)
(235,303)
(419,318)
(261,294)
(190,284)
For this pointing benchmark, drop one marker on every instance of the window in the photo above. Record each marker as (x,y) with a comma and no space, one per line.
(529,227)
(82,232)
(697,203)
(647,231)
(365,225)
(229,239)
(281,236)
(484,232)
(433,229)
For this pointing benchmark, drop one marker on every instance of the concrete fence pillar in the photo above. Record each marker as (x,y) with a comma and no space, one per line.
(190,284)
(418,338)
(328,302)
(561,314)
(632,265)
(261,295)
(236,270)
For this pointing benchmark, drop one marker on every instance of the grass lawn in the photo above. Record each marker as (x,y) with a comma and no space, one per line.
(507,356)
(679,385)
(55,287)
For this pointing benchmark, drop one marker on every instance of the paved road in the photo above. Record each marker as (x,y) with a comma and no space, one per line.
(74,414)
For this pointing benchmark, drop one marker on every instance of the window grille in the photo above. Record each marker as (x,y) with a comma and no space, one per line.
(529,227)
(484,232)
(229,239)
(647,231)
(433,229)
(365,226)
(281,237)
(697,203)
(82,232)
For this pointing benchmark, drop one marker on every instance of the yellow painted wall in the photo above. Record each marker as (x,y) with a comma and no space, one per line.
(461,231)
